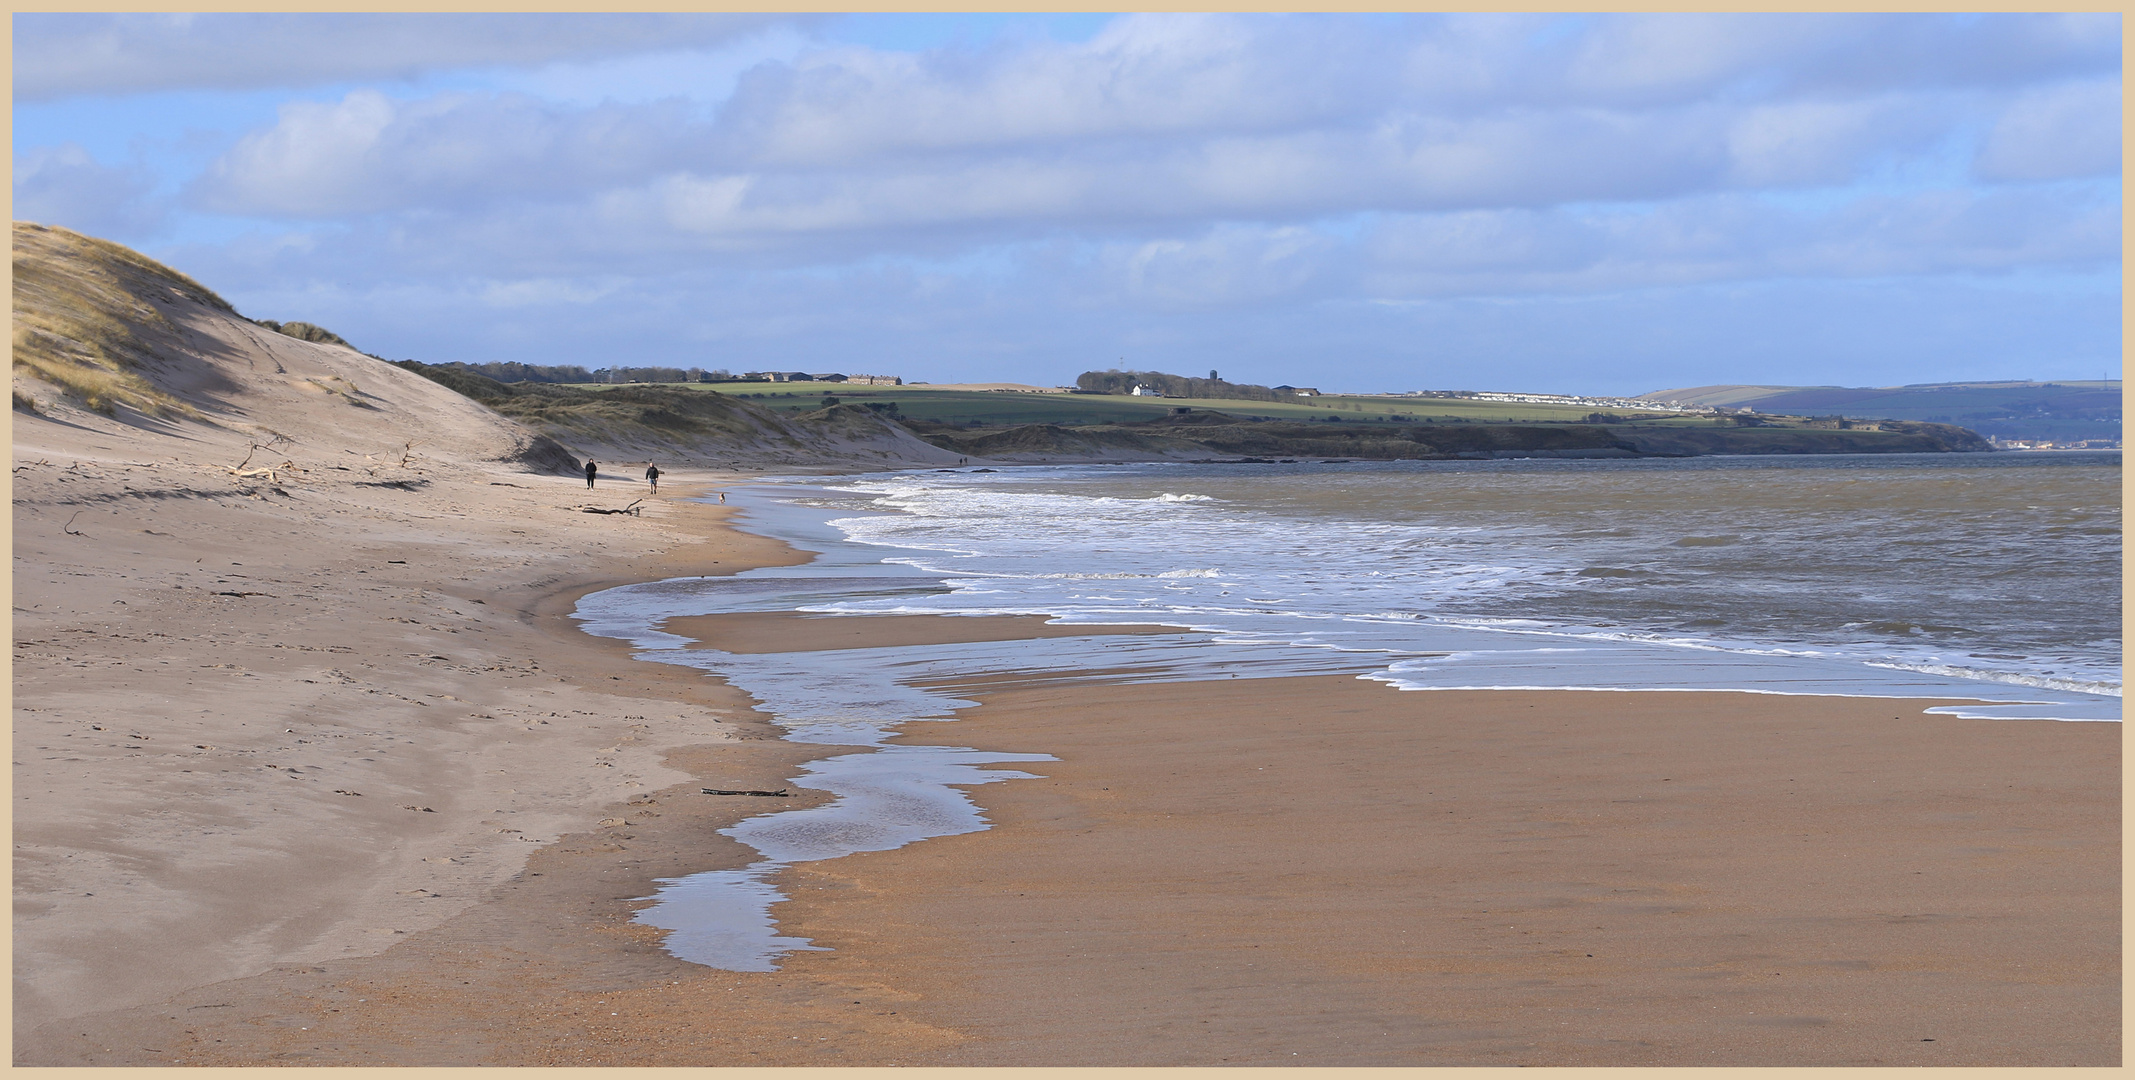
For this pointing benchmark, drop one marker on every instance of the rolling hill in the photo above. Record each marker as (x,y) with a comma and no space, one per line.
(2060,411)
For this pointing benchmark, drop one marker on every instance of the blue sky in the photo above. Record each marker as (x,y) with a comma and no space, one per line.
(1598,204)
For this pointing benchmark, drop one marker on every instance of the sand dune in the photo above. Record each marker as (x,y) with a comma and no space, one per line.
(292,674)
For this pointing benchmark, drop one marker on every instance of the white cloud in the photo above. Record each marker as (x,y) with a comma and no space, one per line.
(1192,75)
(1676,58)
(1183,175)
(62,55)
(368,153)
(66,185)
(1736,238)
(1654,61)
(1180,118)
(1816,142)
(925,324)
(545,292)
(2055,132)
(703,74)
(1225,267)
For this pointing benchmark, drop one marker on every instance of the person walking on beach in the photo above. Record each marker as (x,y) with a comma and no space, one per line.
(652,476)
(591,468)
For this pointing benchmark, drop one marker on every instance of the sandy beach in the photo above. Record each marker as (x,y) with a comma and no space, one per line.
(1067,539)
(297,681)
(312,766)
(1313,871)
(323,743)
(1327,872)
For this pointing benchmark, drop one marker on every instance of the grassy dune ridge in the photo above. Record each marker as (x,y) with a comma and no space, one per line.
(87,319)
(100,328)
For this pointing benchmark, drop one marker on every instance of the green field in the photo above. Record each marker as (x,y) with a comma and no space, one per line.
(1011,408)
(1031,425)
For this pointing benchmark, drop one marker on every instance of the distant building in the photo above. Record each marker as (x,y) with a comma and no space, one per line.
(832,377)
(1142,391)
(1300,391)
(788,376)
(874,380)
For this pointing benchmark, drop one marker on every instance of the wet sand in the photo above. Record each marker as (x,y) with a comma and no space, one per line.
(1317,871)
(1324,871)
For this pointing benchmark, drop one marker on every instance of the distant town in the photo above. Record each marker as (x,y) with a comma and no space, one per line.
(2050,444)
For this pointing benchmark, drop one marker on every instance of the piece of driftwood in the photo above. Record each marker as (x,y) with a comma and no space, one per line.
(779,794)
(633,509)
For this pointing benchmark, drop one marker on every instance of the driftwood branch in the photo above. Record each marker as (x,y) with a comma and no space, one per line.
(267,473)
(634,510)
(779,794)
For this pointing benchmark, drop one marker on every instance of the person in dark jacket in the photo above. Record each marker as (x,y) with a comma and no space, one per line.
(652,476)
(591,468)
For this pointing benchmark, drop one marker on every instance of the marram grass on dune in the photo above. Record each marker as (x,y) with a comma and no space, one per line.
(81,324)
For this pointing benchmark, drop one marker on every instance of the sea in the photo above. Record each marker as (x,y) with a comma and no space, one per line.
(1989,580)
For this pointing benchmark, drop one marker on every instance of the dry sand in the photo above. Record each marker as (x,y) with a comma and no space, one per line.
(251,732)
(265,718)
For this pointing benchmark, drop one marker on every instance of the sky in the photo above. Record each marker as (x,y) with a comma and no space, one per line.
(1580,204)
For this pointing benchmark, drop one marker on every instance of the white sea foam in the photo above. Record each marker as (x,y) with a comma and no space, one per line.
(2045,682)
(1034,535)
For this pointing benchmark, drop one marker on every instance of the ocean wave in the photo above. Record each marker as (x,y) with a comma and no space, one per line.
(2012,678)
(1069,576)
(1444,548)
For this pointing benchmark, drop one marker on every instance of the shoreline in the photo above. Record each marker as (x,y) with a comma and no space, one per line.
(1653,654)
